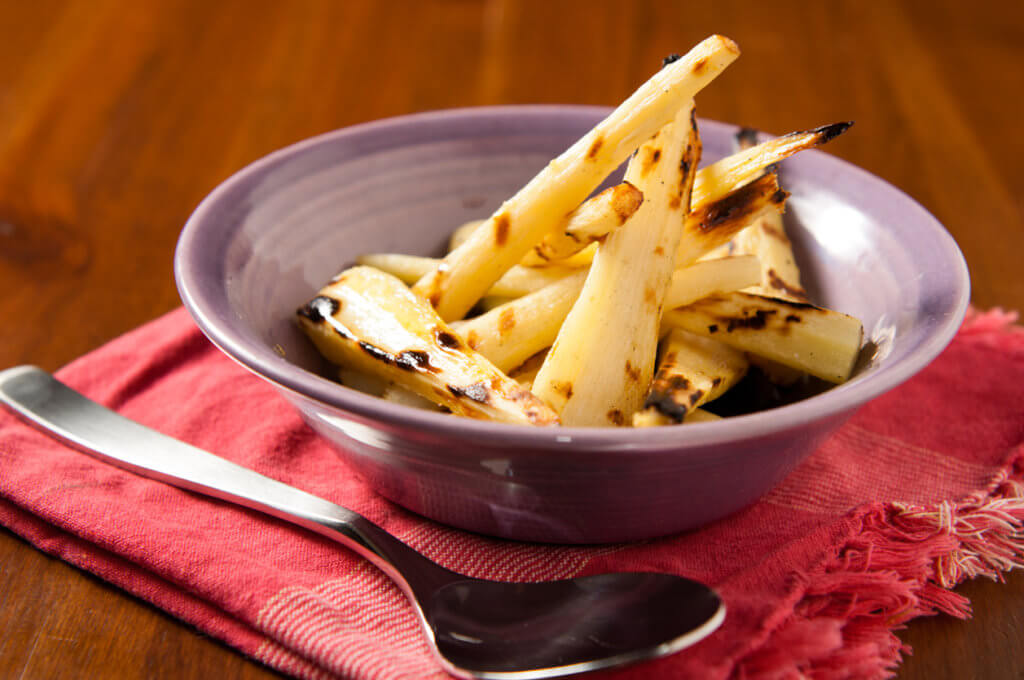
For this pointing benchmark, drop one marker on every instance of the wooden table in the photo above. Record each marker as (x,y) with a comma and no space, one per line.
(116,118)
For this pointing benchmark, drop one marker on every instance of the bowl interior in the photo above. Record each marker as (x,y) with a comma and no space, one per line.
(271,236)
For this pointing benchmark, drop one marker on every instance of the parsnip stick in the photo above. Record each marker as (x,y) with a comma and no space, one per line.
(712,224)
(511,332)
(818,341)
(766,239)
(701,279)
(740,168)
(697,415)
(716,181)
(589,223)
(705,228)
(371,322)
(692,371)
(516,282)
(467,272)
(601,362)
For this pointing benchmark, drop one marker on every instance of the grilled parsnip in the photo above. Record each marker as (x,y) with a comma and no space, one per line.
(705,229)
(371,322)
(510,333)
(692,371)
(516,282)
(466,273)
(713,224)
(519,328)
(601,362)
(744,166)
(700,279)
(766,239)
(811,339)
(726,176)
(587,224)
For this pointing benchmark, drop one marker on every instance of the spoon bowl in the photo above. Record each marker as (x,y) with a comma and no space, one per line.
(477,628)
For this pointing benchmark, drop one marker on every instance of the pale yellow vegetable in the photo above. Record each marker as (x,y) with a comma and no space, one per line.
(766,239)
(371,322)
(468,272)
(589,223)
(708,277)
(705,229)
(519,328)
(744,166)
(692,371)
(600,364)
(516,282)
(713,224)
(818,341)
(510,333)
(710,226)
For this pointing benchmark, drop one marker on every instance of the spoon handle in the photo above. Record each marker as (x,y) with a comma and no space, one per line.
(96,430)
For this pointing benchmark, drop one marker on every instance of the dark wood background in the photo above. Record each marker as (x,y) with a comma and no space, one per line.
(116,118)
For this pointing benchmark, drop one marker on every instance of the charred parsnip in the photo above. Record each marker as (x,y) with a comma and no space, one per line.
(811,339)
(742,167)
(510,333)
(711,225)
(716,181)
(692,371)
(587,224)
(601,363)
(515,330)
(766,239)
(466,273)
(516,282)
(705,229)
(369,321)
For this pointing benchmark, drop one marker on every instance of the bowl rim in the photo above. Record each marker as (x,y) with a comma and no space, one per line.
(260,360)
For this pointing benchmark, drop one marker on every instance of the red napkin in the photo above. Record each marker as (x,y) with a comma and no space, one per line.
(922,489)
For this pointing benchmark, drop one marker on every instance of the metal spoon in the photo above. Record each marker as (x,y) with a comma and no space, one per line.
(477,628)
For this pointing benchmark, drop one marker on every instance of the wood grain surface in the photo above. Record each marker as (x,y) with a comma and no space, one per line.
(116,118)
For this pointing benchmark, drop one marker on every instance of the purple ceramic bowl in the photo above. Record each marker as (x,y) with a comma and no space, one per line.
(264,241)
